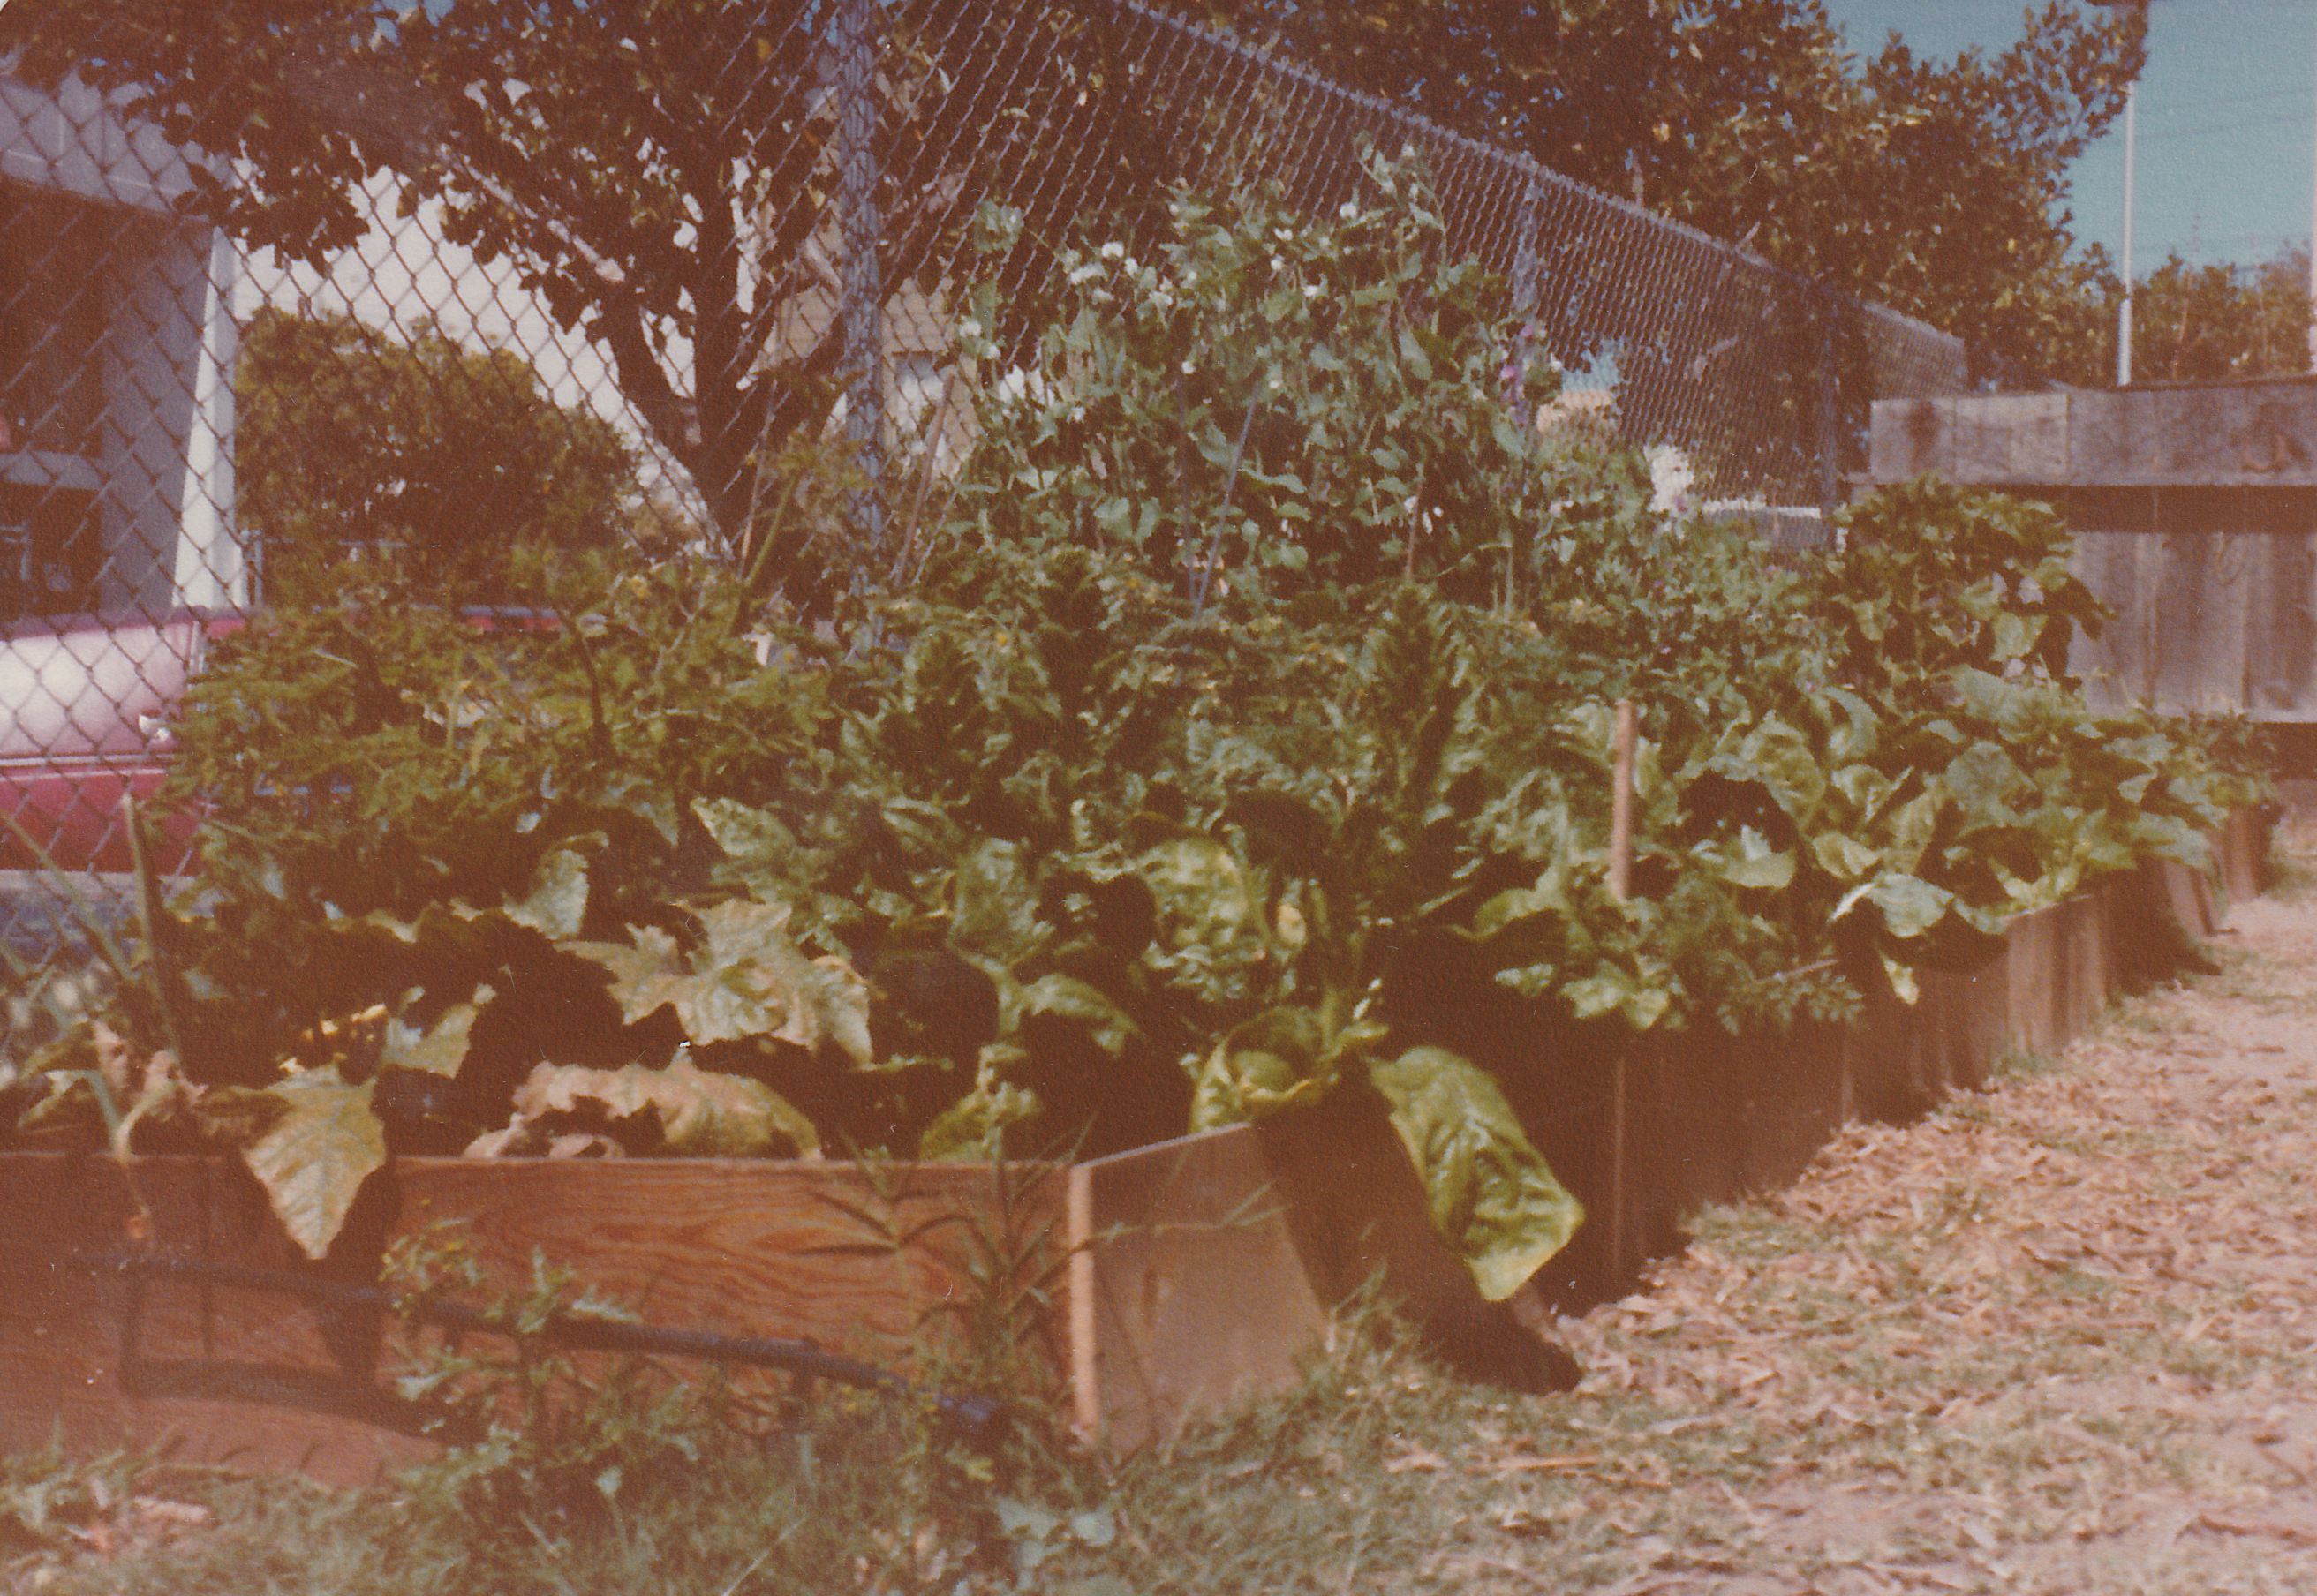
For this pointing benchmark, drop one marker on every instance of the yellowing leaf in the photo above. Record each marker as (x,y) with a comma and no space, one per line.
(748,979)
(314,1157)
(440,1050)
(1843,858)
(559,897)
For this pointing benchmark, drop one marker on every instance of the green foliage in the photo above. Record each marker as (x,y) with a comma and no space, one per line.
(2207,324)
(434,462)
(1265,405)
(536,1443)
(1165,798)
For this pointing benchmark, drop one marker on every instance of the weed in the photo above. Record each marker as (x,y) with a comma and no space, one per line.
(2014,1066)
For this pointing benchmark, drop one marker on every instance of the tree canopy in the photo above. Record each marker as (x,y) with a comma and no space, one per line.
(658,172)
(2216,323)
(452,459)
(1936,188)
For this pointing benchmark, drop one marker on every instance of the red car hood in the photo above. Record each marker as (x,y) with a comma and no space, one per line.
(76,687)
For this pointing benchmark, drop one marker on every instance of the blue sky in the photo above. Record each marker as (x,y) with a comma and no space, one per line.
(2228,119)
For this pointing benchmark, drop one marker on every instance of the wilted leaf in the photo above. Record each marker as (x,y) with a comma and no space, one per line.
(701,1113)
(314,1157)
(748,979)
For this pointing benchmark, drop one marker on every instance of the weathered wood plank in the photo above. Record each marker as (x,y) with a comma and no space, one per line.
(1199,1285)
(2014,439)
(2260,435)
(744,1248)
(1910,437)
(2180,634)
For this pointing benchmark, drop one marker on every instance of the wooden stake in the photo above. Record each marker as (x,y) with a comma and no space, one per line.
(1621,805)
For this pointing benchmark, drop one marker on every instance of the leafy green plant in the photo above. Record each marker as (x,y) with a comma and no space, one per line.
(536,1444)
(1243,737)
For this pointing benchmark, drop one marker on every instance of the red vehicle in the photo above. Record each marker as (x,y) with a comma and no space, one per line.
(85,706)
(86,703)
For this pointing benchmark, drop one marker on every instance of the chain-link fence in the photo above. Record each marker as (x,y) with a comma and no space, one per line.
(407,289)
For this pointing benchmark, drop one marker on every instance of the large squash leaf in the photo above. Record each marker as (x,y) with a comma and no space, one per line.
(747,979)
(558,903)
(314,1158)
(441,1047)
(1491,1196)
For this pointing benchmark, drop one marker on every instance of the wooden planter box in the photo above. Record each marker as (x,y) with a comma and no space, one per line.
(1175,1278)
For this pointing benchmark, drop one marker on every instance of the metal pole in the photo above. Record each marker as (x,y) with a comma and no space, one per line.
(2123,312)
(2313,275)
(864,287)
(1830,413)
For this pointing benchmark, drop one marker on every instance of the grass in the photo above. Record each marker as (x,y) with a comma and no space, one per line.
(1379,1471)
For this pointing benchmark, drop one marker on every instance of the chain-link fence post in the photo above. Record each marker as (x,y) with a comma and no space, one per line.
(856,41)
(1829,409)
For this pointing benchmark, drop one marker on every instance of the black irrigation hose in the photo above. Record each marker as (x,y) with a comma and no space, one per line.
(970,1414)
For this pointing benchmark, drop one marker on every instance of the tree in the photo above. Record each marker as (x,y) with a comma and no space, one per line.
(2208,323)
(1936,189)
(446,457)
(695,185)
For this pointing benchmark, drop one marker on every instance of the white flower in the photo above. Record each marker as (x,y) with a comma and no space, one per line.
(1277,264)
(1112,251)
(969,328)
(1313,291)
(1086,273)
(1671,476)
(1349,210)
(1188,368)
(1018,385)
(1284,235)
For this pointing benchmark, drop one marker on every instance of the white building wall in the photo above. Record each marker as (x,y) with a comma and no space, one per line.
(164,472)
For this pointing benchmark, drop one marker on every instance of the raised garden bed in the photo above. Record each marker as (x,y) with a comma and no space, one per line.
(1176,1278)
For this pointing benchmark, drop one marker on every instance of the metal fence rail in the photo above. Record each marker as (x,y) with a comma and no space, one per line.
(552,319)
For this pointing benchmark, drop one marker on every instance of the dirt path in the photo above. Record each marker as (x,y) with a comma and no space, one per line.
(2060,1337)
